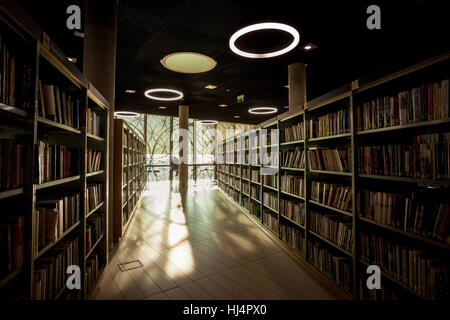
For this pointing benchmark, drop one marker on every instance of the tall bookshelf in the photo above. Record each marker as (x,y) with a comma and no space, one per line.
(421,195)
(52,168)
(129,175)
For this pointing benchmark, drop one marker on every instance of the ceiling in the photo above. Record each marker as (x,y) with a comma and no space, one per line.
(346,49)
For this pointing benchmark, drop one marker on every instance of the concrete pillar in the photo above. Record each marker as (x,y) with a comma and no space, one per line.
(99,66)
(297,85)
(183,120)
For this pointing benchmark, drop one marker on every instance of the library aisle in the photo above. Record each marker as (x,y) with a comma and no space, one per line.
(200,246)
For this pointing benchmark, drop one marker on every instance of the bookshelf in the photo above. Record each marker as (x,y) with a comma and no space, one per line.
(46,194)
(404,206)
(129,175)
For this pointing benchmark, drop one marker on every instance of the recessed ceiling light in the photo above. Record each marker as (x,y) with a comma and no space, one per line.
(210,87)
(223,105)
(74,60)
(286,86)
(126,114)
(262,110)
(286,107)
(130,91)
(188,62)
(309,47)
(162,107)
(264,26)
(207,122)
(228,89)
(236,117)
(148,94)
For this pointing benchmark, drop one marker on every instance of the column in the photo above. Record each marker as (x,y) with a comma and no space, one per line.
(99,66)
(297,85)
(183,120)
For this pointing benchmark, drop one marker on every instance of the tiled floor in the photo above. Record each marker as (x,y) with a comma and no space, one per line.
(201,246)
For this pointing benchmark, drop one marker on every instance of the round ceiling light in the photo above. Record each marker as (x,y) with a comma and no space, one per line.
(264,26)
(161,90)
(188,62)
(207,122)
(262,110)
(126,114)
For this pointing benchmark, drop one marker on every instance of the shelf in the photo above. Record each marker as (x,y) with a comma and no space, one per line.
(292,169)
(95,209)
(58,126)
(256,200)
(292,142)
(292,195)
(246,194)
(94,137)
(292,221)
(51,245)
(405,126)
(9,277)
(94,246)
(419,181)
(421,238)
(56,182)
(11,193)
(96,173)
(59,294)
(269,187)
(330,243)
(337,136)
(331,208)
(254,182)
(270,208)
(337,173)
(13,111)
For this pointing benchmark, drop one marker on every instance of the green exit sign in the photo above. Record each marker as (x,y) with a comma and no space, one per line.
(240,98)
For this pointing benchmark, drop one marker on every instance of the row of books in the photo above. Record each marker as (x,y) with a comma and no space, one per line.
(53,217)
(330,124)
(255,209)
(57,162)
(420,270)
(428,158)
(93,122)
(293,159)
(292,133)
(245,173)
(336,266)
(329,159)
(270,199)
(92,271)
(59,106)
(16,78)
(424,103)
(293,185)
(13,163)
(270,180)
(254,192)
(406,213)
(255,176)
(333,227)
(293,210)
(94,196)
(95,228)
(245,187)
(293,237)
(270,220)
(384,293)
(333,195)
(271,137)
(94,160)
(50,272)
(12,232)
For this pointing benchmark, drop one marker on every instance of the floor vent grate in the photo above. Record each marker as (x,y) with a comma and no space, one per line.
(130,265)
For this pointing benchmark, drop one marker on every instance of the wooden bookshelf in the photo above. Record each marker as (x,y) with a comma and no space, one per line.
(350,96)
(129,175)
(25,122)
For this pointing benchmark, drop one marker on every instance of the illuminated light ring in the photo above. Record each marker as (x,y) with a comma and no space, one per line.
(264,26)
(262,110)
(126,114)
(209,122)
(179,93)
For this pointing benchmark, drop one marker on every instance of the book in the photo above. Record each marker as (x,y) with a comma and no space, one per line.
(94,196)
(330,124)
(336,228)
(14,170)
(293,237)
(270,220)
(333,195)
(293,210)
(293,133)
(329,159)
(293,184)
(293,159)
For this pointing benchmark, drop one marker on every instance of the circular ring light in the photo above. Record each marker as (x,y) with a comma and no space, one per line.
(179,93)
(262,110)
(264,26)
(188,62)
(126,114)
(207,122)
